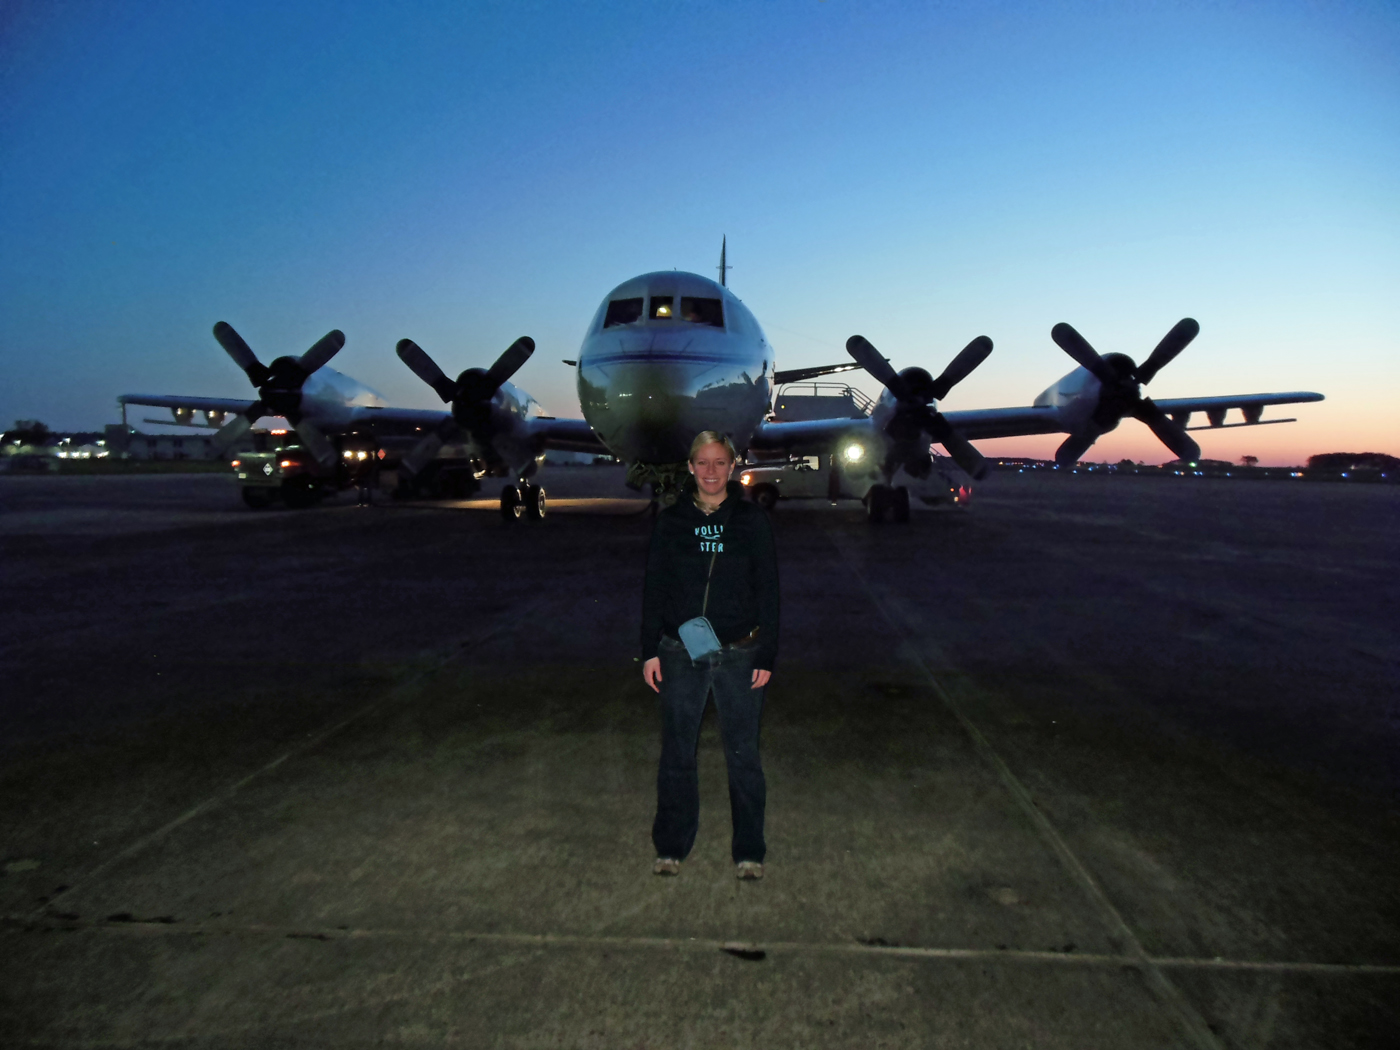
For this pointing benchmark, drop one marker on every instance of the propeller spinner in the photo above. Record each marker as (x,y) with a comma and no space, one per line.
(470,395)
(1120,394)
(279,389)
(915,391)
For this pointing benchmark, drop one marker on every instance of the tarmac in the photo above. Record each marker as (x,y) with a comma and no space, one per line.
(1095,762)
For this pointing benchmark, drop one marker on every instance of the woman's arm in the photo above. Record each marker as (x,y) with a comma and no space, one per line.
(764,565)
(654,593)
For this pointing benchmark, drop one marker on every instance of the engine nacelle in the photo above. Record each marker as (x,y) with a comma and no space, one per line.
(918,382)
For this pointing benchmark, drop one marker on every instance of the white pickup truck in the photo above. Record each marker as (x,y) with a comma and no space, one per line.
(818,477)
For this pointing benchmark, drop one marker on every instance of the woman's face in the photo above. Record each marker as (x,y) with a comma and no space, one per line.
(712,467)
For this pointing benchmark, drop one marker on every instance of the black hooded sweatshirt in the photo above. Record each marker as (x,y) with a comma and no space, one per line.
(744,589)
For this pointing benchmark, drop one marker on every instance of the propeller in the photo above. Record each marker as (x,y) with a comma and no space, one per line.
(279,390)
(914,391)
(1120,394)
(470,395)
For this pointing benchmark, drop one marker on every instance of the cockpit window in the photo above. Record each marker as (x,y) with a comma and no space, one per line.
(623,311)
(663,307)
(702,311)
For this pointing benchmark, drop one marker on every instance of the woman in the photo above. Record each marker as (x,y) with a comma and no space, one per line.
(712,555)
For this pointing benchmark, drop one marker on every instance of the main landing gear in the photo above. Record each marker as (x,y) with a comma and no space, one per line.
(525,501)
(884,500)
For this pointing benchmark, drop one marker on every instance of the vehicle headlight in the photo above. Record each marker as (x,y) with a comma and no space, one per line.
(744,479)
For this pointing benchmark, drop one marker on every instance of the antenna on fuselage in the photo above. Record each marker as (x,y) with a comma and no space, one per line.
(723,266)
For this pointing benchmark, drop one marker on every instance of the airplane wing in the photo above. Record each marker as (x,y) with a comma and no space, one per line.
(567,435)
(1251,407)
(199,404)
(818,435)
(808,435)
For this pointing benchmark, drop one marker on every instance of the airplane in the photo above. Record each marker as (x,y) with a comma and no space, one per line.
(670,353)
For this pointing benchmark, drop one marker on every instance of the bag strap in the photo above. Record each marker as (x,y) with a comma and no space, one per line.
(705,605)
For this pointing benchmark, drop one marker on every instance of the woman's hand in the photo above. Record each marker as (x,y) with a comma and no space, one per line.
(651,673)
(760,678)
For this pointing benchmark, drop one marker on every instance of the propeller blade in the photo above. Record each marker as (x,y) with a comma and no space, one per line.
(315,442)
(228,434)
(1074,344)
(874,363)
(423,366)
(962,450)
(1168,432)
(241,353)
(972,355)
(1074,446)
(324,349)
(509,362)
(1172,344)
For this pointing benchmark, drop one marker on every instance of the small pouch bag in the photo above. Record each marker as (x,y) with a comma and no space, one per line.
(698,637)
(697,634)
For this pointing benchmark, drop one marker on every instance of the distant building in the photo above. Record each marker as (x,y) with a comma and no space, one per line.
(171,446)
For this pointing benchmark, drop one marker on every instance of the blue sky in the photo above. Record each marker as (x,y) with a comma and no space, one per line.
(466,173)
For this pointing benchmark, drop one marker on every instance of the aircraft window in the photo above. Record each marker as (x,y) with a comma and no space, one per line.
(663,306)
(703,311)
(623,311)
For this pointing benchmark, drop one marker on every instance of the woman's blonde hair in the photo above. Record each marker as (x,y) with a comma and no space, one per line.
(712,437)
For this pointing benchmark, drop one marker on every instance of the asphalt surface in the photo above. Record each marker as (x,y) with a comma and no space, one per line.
(1100,762)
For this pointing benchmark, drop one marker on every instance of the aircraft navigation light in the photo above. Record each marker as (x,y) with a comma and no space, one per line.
(854,453)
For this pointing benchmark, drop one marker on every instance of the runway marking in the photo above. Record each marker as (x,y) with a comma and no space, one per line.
(1167,992)
(310,742)
(700,944)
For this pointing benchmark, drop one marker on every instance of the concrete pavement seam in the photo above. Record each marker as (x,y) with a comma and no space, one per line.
(139,928)
(311,741)
(1166,991)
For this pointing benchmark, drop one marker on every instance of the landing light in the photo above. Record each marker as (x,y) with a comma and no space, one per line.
(854,453)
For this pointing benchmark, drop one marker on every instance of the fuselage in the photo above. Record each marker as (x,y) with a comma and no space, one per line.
(667,355)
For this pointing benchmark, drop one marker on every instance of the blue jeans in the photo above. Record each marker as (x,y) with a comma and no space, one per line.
(686,686)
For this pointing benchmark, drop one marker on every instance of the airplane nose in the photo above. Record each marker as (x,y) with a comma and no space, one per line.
(639,394)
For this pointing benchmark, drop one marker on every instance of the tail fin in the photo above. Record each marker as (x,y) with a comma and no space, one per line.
(723,266)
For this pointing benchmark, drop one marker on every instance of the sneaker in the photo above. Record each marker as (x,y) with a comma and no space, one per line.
(747,869)
(666,866)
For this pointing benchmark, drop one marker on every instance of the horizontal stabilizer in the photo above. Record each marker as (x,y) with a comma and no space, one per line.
(798,375)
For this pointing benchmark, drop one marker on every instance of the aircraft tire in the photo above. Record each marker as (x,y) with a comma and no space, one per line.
(766,496)
(899,504)
(258,497)
(512,506)
(534,502)
(877,503)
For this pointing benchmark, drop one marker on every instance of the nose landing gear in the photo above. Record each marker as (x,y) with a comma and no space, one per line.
(527,501)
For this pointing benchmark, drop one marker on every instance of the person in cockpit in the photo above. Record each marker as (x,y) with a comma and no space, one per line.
(710,628)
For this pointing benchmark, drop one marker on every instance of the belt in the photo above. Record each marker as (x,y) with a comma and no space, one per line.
(742,643)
